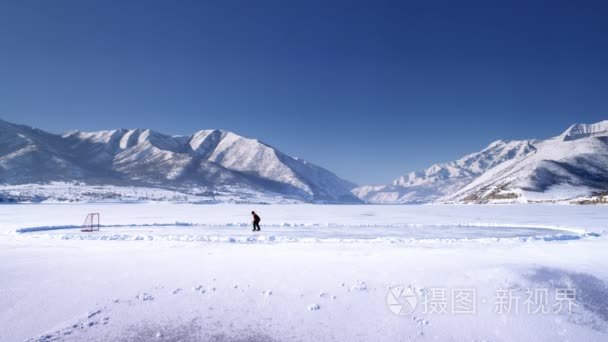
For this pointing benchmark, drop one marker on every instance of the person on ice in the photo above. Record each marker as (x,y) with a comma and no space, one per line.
(256,221)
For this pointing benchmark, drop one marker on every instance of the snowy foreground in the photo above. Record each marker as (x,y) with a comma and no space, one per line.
(180,272)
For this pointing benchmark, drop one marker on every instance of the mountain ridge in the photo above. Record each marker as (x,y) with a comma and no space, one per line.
(572,166)
(211,159)
(568,166)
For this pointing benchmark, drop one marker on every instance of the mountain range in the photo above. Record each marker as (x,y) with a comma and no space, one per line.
(570,166)
(221,166)
(206,162)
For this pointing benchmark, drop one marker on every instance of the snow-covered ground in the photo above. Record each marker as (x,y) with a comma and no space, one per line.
(75,192)
(169,272)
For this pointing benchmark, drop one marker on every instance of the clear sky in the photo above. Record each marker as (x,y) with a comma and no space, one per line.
(370,90)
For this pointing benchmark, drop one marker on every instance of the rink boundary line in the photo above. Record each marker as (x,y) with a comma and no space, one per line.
(273,239)
(576,230)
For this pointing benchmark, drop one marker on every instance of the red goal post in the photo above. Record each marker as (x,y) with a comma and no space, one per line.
(91,223)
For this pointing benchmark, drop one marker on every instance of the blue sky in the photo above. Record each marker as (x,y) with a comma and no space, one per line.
(370,90)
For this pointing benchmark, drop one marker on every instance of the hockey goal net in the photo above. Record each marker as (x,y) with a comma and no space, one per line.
(91,223)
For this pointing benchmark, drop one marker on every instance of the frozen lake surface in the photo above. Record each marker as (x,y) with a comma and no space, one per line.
(169,272)
(270,234)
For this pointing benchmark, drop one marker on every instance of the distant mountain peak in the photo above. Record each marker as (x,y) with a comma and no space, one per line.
(508,171)
(579,130)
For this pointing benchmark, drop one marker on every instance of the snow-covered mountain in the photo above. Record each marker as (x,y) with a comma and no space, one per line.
(571,165)
(209,161)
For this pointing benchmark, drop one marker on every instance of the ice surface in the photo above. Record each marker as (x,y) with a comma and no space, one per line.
(324,276)
(303,234)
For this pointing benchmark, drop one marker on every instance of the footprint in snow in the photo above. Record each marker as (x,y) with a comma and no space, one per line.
(144,297)
(359,286)
(314,307)
(422,321)
(93,313)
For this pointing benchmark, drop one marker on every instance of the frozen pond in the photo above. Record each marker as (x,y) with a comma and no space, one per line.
(314,273)
(303,233)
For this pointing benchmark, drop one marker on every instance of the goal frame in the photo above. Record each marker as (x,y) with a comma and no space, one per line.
(91,223)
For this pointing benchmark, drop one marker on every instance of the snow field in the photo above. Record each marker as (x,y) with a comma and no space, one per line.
(75,289)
